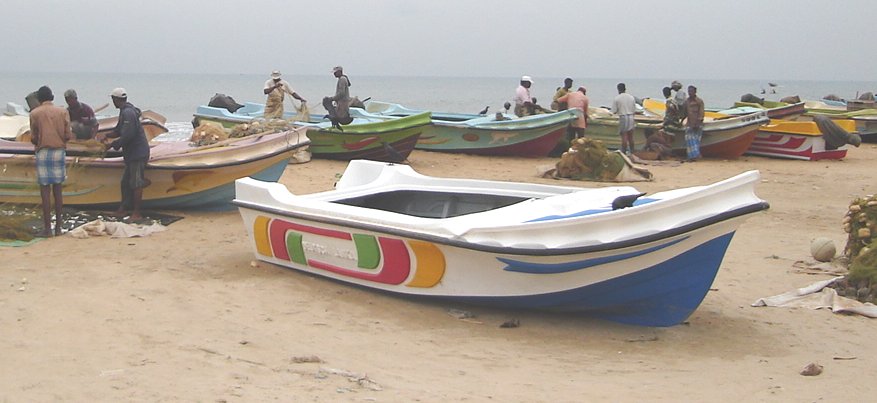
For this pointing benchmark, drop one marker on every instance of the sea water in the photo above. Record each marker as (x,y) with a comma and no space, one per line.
(176,96)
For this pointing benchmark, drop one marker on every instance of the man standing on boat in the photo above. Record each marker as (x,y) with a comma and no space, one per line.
(577,99)
(694,123)
(275,88)
(561,91)
(624,106)
(82,119)
(338,105)
(131,138)
(523,101)
(50,132)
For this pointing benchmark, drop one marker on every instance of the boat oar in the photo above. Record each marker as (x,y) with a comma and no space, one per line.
(100,108)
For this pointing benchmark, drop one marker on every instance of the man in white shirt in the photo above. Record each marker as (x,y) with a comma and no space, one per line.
(624,106)
(275,88)
(523,101)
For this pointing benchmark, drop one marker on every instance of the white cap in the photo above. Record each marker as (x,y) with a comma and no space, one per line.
(337,68)
(119,93)
(275,74)
(527,78)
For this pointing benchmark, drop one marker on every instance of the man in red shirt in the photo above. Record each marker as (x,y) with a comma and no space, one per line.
(82,120)
(50,132)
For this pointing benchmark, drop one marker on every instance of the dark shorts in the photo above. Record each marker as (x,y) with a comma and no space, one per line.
(50,166)
(134,176)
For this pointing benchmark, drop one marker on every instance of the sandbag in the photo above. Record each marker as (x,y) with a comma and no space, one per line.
(752,99)
(224,101)
(791,99)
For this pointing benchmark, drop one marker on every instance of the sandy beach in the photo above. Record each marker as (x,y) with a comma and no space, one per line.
(185,315)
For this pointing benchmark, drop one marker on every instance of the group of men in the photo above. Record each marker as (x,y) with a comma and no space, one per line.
(681,107)
(53,127)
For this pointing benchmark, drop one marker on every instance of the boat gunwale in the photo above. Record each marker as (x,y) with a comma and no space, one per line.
(511,250)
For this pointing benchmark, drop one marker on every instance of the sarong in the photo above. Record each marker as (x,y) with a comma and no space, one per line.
(626,123)
(692,141)
(50,166)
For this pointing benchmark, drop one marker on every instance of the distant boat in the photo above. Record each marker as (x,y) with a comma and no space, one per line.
(528,136)
(507,244)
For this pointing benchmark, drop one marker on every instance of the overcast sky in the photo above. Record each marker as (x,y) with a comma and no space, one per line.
(740,39)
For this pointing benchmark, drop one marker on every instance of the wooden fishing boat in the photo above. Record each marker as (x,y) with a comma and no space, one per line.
(182,176)
(374,139)
(513,245)
(726,137)
(797,140)
(529,136)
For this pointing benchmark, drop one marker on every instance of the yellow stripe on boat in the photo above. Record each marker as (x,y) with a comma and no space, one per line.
(430,264)
(260,234)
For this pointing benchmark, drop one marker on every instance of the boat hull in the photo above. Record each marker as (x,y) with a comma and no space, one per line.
(799,140)
(638,287)
(532,136)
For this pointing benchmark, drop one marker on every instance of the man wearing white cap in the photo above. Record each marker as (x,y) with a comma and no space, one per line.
(275,88)
(131,138)
(523,101)
(338,105)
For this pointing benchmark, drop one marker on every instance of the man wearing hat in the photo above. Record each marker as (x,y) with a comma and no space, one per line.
(82,119)
(50,132)
(131,138)
(679,97)
(338,105)
(523,101)
(275,88)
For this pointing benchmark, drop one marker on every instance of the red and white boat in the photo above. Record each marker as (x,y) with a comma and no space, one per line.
(801,140)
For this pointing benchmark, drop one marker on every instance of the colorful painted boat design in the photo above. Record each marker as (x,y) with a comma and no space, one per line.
(800,140)
(514,245)
(182,176)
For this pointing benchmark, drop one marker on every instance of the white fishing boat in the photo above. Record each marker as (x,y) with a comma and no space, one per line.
(515,245)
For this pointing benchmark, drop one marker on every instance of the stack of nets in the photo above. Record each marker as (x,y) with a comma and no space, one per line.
(208,133)
(589,159)
(260,126)
(860,223)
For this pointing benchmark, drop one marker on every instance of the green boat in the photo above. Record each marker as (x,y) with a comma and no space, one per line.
(378,140)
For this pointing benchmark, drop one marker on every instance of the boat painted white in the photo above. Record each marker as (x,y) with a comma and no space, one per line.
(517,245)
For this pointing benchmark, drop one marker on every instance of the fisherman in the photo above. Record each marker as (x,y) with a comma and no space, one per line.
(275,88)
(131,138)
(50,132)
(694,123)
(624,105)
(577,99)
(82,120)
(523,101)
(338,105)
(672,116)
(561,91)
